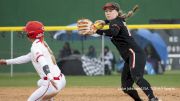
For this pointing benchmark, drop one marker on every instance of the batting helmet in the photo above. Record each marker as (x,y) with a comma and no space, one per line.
(34,29)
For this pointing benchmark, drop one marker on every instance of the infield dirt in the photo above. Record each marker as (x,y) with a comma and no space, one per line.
(88,94)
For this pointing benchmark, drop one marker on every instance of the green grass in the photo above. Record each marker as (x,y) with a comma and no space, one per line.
(18,80)
(113,80)
(169,79)
(166,80)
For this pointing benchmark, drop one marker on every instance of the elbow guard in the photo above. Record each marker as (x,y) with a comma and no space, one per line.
(46,69)
(47,72)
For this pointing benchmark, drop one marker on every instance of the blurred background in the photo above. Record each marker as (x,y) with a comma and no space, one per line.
(82,55)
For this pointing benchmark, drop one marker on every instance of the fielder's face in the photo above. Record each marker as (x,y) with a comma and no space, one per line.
(111,14)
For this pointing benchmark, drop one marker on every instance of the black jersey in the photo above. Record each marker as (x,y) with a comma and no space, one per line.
(120,36)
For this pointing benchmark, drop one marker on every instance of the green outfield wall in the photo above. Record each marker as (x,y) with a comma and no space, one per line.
(63,12)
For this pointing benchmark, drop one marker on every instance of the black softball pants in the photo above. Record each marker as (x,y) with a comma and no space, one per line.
(133,71)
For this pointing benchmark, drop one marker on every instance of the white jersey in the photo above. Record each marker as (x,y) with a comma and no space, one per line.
(39,56)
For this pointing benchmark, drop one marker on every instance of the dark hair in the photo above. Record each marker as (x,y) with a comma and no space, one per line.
(130,13)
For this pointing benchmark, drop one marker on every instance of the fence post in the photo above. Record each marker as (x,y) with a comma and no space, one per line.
(103,52)
(11,71)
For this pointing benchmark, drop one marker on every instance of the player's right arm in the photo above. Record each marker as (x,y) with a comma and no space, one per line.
(19,60)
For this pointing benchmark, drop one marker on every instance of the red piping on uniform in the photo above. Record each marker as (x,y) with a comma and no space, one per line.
(129,33)
(40,40)
(133,59)
(38,57)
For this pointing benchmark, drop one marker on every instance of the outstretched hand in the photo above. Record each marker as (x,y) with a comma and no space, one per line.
(3,62)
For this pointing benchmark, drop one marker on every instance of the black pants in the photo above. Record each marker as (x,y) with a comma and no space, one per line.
(133,71)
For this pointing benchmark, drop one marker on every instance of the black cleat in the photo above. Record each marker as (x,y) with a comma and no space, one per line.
(138,100)
(154,99)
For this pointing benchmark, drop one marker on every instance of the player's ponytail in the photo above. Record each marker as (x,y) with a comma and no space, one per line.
(129,14)
(50,51)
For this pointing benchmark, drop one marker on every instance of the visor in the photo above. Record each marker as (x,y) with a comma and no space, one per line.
(111,6)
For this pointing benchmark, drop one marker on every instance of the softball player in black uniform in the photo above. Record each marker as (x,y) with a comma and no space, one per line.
(132,54)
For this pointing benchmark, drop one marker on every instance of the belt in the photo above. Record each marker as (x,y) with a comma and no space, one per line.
(55,78)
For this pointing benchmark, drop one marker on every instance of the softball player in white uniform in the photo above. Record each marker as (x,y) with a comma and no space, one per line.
(41,56)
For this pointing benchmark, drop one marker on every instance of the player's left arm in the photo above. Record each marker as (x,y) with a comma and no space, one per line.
(113,30)
(87,27)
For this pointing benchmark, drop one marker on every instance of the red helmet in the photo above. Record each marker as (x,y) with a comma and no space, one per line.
(34,29)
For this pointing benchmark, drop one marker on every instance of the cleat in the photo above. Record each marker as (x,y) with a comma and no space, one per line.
(154,99)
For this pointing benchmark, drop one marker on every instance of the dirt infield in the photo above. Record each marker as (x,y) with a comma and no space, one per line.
(88,94)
